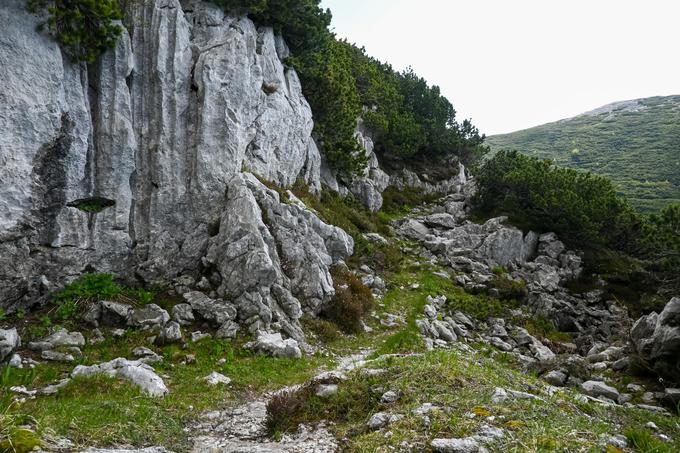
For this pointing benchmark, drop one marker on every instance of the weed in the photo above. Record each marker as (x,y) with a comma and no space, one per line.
(644,442)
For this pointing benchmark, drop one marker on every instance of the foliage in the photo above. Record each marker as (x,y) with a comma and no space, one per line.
(18,434)
(351,302)
(581,208)
(84,28)
(325,331)
(636,148)
(89,286)
(509,289)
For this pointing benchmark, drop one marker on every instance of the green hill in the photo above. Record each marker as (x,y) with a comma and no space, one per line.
(635,143)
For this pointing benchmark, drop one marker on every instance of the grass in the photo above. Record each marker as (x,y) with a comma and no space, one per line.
(106,412)
(461,385)
(638,151)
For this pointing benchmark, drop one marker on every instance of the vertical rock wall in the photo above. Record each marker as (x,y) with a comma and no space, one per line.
(156,137)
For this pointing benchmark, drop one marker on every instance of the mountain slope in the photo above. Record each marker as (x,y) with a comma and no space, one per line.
(635,143)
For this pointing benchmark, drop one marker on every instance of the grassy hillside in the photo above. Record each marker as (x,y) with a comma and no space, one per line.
(635,143)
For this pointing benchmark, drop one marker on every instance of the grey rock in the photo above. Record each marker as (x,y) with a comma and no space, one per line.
(9,342)
(381,420)
(216,378)
(170,333)
(114,313)
(600,389)
(500,344)
(55,356)
(326,390)
(227,330)
(389,397)
(198,336)
(214,310)
(274,345)
(137,372)
(15,361)
(148,316)
(656,339)
(60,338)
(441,220)
(413,229)
(464,445)
(183,314)
(556,377)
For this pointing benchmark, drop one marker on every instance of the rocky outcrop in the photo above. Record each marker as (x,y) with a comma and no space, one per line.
(133,165)
(656,340)
(369,187)
(9,342)
(493,257)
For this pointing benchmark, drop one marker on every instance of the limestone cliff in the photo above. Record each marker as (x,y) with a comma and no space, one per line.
(161,136)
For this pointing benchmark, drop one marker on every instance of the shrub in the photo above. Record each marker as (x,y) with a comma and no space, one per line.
(352,301)
(325,331)
(84,28)
(89,286)
(580,207)
(509,289)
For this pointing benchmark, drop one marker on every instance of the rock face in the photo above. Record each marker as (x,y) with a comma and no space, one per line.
(155,136)
(656,339)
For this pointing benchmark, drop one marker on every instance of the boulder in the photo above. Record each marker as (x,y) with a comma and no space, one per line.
(135,371)
(655,339)
(556,378)
(215,310)
(183,314)
(170,333)
(274,345)
(148,316)
(60,338)
(600,389)
(9,342)
(114,314)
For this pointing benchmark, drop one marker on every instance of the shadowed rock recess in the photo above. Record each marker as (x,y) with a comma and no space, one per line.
(169,129)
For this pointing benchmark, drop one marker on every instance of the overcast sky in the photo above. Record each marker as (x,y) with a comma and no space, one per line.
(513,64)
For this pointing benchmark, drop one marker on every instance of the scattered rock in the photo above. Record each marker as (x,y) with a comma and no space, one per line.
(274,345)
(556,377)
(389,397)
(113,313)
(148,316)
(465,445)
(60,338)
(600,389)
(382,419)
(55,356)
(216,378)
(171,333)
(137,372)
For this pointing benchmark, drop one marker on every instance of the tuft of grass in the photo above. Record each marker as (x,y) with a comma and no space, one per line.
(644,442)
(324,330)
(18,434)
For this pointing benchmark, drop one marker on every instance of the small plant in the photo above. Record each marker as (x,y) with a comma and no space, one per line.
(3,315)
(20,314)
(352,301)
(67,310)
(92,205)
(324,330)
(644,442)
(17,434)
(498,270)
(509,289)
(89,286)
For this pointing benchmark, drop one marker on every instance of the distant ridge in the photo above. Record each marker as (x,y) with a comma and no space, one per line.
(636,143)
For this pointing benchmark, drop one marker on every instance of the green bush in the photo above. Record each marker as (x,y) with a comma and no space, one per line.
(84,28)
(581,208)
(89,286)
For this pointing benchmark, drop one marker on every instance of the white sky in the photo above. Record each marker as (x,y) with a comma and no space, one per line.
(513,64)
